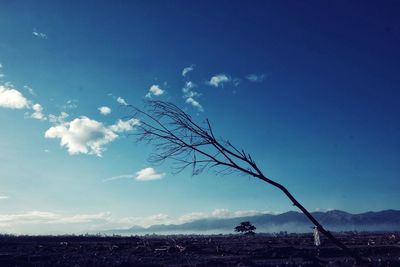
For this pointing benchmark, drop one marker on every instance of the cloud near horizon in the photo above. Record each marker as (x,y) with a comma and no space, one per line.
(47,222)
(218,214)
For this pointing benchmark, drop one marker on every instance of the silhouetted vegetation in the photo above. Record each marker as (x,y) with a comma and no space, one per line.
(245,227)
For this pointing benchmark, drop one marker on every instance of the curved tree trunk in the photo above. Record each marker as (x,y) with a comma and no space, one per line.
(312,219)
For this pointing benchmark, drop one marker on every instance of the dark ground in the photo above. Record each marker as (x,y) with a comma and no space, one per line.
(381,249)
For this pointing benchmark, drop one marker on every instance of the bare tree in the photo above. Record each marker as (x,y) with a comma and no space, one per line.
(175,136)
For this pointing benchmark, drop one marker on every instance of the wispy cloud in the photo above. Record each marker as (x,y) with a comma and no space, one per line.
(4,197)
(58,119)
(30,90)
(124,126)
(191,95)
(104,110)
(39,34)
(12,98)
(186,70)
(236,81)
(71,104)
(1,74)
(155,90)
(148,174)
(123,176)
(256,77)
(219,80)
(194,103)
(122,101)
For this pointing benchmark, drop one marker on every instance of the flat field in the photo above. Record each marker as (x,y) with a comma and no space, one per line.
(381,249)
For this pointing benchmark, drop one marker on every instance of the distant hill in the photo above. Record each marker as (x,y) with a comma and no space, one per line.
(292,221)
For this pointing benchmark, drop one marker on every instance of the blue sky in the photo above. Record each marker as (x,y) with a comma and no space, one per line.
(310,89)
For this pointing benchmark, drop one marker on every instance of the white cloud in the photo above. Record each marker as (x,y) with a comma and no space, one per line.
(38,112)
(219,80)
(39,34)
(155,90)
(190,94)
(104,110)
(12,98)
(148,174)
(3,197)
(255,77)
(82,135)
(186,70)
(124,126)
(122,101)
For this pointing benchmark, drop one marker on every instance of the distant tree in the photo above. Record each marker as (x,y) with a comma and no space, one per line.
(245,227)
(175,136)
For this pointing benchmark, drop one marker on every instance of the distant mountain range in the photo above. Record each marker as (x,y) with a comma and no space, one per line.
(292,221)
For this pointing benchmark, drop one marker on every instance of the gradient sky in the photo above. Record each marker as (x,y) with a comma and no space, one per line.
(310,89)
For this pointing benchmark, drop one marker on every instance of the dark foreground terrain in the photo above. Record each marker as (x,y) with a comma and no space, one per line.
(381,249)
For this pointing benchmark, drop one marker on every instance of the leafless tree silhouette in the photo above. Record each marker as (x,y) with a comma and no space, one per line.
(175,136)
